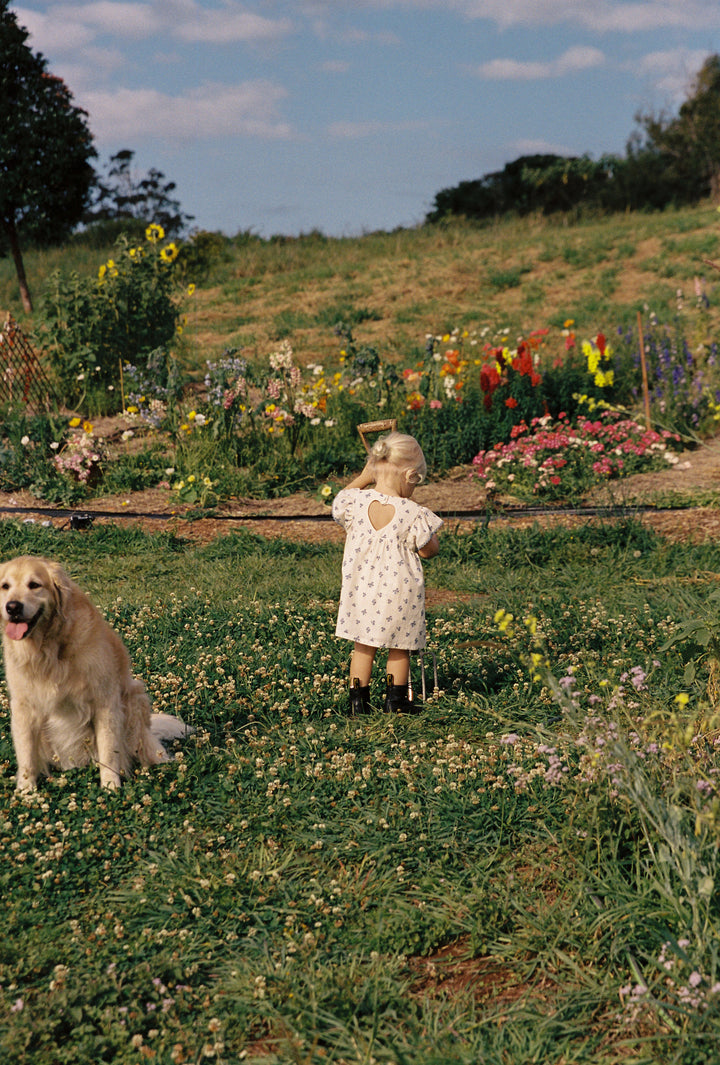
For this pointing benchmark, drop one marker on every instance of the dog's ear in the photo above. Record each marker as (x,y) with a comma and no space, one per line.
(59,584)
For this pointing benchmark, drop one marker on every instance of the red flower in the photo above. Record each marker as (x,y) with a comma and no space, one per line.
(489,380)
(511,402)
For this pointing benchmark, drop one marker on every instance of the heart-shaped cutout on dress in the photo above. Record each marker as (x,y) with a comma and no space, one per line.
(380,514)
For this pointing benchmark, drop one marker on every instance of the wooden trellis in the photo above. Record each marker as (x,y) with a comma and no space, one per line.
(22,378)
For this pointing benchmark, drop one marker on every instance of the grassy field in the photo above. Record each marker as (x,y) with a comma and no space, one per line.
(524,871)
(395,288)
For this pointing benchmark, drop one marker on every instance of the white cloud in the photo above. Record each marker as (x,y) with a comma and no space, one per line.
(249,109)
(63,35)
(230,24)
(671,73)
(358,130)
(335,66)
(135,20)
(71,25)
(570,62)
(600,15)
(628,16)
(536,147)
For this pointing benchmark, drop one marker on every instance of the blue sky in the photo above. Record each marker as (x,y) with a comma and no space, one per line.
(280,117)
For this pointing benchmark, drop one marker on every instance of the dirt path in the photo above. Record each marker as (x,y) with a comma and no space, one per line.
(695,478)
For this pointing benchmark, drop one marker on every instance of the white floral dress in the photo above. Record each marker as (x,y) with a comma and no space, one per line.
(382,601)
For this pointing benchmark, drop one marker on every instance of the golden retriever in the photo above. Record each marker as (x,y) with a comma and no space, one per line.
(73,698)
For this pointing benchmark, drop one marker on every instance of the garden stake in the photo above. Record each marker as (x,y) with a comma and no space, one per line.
(643,364)
(421,660)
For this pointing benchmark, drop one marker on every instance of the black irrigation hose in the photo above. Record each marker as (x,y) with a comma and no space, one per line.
(80,520)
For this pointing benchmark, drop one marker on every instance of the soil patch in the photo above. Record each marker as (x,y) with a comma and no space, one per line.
(693,482)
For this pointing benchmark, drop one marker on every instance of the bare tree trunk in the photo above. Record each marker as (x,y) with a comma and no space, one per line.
(11,234)
(715,186)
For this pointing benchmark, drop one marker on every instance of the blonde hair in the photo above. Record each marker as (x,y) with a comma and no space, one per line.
(402,451)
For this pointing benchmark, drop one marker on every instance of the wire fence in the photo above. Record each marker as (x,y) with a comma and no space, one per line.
(23,380)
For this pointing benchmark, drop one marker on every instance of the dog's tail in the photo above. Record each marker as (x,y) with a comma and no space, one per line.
(167,728)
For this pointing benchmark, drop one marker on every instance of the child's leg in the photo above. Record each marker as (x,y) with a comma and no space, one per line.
(398,665)
(361,663)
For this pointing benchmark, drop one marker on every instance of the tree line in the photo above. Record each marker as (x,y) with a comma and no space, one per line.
(670,160)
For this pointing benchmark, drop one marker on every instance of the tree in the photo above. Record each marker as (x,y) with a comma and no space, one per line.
(45,150)
(688,144)
(124,197)
(545,183)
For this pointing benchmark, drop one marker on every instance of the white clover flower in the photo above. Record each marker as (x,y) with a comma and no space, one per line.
(25,440)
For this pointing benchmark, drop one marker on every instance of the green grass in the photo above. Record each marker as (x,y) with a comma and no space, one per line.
(485,881)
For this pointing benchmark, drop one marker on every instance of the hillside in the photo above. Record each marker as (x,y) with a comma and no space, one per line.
(395,288)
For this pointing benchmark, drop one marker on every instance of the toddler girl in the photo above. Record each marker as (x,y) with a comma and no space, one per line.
(382,602)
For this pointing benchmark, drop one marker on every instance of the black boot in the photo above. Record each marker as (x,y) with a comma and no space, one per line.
(396,698)
(359,698)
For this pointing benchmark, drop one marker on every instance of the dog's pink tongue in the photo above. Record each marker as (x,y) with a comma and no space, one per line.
(15,630)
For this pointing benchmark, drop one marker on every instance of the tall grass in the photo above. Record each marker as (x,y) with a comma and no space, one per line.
(519,274)
(524,871)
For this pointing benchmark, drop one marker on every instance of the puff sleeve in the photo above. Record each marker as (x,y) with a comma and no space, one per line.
(342,507)
(422,529)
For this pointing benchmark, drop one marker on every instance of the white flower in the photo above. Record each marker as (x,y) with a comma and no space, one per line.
(329,422)
(128,434)
(54,445)
(25,441)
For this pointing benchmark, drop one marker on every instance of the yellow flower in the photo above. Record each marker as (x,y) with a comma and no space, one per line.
(154,233)
(191,478)
(191,290)
(169,252)
(191,415)
(87,427)
(101,272)
(682,699)
(503,619)
(74,422)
